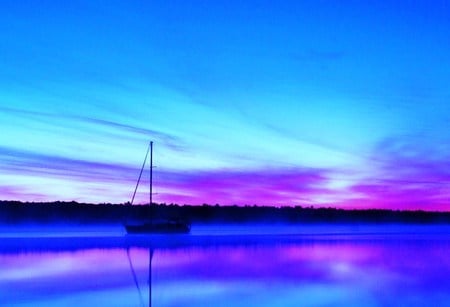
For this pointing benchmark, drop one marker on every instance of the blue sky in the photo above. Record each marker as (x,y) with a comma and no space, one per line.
(356,93)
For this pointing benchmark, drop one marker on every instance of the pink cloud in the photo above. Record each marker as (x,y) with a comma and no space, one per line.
(406,178)
(262,187)
(411,179)
(15,193)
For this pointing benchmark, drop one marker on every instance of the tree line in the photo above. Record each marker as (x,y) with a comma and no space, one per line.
(16,212)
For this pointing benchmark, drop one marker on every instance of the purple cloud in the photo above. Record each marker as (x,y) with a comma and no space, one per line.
(412,177)
(262,187)
(16,193)
(407,178)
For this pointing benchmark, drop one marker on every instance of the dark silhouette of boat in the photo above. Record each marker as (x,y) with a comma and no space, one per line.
(162,227)
(165,226)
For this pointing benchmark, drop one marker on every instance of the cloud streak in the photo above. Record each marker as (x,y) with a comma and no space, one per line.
(406,179)
(295,186)
(410,178)
(260,186)
(406,176)
(166,139)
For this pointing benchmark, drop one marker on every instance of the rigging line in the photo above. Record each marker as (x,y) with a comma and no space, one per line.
(141,299)
(140,175)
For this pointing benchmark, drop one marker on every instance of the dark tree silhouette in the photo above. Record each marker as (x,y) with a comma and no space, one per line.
(15,212)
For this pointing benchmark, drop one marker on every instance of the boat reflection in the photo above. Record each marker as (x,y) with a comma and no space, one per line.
(366,271)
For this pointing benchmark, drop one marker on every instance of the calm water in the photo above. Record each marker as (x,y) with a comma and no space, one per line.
(252,270)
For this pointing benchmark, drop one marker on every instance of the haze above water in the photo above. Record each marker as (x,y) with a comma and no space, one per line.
(402,269)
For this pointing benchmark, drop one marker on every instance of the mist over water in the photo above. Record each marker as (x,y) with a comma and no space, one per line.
(402,269)
(225,229)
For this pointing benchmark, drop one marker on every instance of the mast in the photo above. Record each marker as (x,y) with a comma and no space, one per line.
(151,171)
(151,180)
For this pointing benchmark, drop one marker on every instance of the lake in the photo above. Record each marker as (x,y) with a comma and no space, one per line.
(228,269)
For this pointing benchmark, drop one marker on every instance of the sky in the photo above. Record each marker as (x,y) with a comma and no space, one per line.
(300,103)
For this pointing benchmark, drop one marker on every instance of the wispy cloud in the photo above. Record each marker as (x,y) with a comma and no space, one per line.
(264,187)
(411,176)
(36,164)
(20,193)
(168,140)
(295,186)
(405,179)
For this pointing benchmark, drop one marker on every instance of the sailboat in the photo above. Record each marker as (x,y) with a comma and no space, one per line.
(160,226)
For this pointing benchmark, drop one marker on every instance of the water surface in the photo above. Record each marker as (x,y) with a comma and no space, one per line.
(253,270)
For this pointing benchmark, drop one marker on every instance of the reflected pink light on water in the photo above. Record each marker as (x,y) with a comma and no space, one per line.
(346,272)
